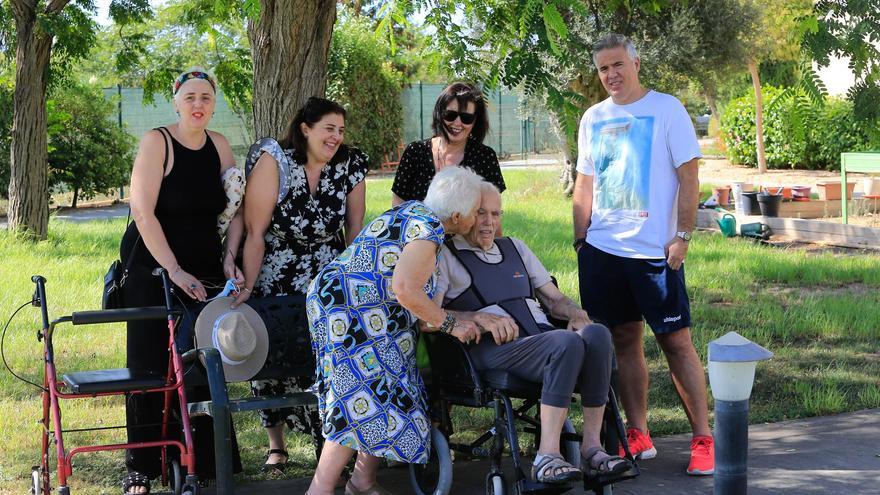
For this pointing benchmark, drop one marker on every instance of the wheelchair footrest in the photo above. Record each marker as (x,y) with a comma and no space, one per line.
(597,482)
(537,488)
(114,380)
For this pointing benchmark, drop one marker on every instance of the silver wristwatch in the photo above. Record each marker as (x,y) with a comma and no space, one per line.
(683,235)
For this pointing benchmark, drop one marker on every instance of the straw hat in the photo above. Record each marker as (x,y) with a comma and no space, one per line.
(239,334)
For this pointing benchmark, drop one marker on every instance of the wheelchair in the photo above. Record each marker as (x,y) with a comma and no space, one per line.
(98,383)
(453,380)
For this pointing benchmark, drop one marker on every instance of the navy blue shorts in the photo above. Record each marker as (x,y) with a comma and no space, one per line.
(616,290)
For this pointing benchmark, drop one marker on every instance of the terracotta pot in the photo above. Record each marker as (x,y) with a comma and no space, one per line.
(783,191)
(830,189)
(723,194)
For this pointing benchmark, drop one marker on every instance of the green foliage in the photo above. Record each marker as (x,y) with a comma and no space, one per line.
(798,132)
(88,153)
(361,79)
(849,29)
(543,47)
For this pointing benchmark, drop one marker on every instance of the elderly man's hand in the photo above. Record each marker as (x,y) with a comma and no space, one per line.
(502,328)
(466,332)
(579,320)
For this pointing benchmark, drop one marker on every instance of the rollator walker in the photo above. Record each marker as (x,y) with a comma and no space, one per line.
(121,381)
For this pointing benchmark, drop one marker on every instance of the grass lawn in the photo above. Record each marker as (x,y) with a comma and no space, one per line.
(820,314)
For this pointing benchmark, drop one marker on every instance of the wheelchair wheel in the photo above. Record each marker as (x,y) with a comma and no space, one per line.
(435,477)
(175,477)
(570,449)
(495,484)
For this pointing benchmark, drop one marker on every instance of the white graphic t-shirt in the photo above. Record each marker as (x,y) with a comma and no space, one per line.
(632,152)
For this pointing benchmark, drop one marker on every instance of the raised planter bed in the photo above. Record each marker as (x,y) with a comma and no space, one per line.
(803,230)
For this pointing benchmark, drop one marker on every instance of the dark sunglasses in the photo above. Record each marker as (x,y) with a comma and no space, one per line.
(466,118)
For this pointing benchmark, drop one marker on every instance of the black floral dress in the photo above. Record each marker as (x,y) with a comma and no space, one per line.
(304,235)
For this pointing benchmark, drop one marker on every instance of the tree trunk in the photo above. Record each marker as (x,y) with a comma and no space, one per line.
(29,160)
(712,103)
(759,117)
(289,46)
(75,197)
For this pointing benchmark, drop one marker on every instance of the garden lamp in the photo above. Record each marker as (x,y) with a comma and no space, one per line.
(732,361)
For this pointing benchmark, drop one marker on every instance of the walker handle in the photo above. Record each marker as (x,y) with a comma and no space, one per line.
(121,315)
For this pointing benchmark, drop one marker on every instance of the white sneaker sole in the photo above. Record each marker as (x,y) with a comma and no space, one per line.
(697,472)
(647,454)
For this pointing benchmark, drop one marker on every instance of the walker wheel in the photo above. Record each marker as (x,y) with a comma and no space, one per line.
(175,477)
(36,481)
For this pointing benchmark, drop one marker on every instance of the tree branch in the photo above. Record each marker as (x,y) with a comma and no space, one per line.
(55,6)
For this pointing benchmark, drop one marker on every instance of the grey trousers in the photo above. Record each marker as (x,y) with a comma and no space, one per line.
(559,359)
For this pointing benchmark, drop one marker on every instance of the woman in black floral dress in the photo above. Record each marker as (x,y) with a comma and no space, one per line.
(304,202)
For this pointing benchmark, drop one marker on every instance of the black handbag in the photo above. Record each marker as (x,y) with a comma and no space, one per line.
(114,279)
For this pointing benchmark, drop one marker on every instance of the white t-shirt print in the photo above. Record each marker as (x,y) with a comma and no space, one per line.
(632,152)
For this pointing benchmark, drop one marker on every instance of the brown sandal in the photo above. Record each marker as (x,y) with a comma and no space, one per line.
(604,466)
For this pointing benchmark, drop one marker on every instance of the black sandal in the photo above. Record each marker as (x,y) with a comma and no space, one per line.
(555,469)
(603,467)
(135,479)
(280,466)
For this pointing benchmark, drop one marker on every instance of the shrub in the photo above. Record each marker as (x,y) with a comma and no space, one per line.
(797,132)
(88,153)
(361,78)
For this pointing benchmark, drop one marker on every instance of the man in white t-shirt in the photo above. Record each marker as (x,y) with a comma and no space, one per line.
(634,205)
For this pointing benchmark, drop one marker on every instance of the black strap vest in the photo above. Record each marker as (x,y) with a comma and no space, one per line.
(506,284)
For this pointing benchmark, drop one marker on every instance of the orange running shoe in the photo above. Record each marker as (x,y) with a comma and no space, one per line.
(702,456)
(640,444)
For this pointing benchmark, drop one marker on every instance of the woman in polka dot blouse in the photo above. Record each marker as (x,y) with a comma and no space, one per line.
(460,123)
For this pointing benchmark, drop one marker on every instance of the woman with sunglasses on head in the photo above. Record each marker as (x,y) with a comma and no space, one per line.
(304,203)
(176,197)
(460,123)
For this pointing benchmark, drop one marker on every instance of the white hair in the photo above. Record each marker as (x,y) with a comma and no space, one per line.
(614,40)
(454,190)
(486,187)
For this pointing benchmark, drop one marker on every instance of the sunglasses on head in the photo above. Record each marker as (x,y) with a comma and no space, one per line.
(466,118)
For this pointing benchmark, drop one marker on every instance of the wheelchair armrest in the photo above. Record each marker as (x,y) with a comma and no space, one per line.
(121,315)
(452,364)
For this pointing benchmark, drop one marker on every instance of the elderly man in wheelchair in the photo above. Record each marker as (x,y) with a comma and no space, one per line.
(495,283)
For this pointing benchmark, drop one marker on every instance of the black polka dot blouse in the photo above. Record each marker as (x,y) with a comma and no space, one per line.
(416,168)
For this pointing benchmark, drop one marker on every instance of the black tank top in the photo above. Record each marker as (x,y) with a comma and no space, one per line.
(190,198)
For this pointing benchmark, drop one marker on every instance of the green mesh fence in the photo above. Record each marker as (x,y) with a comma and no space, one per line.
(508,134)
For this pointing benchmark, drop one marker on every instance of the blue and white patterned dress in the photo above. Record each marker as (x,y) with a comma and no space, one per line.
(371,396)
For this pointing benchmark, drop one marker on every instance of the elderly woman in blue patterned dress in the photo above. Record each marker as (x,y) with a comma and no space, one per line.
(304,202)
(363,308)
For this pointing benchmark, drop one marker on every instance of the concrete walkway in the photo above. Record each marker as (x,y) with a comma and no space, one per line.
(827,455)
